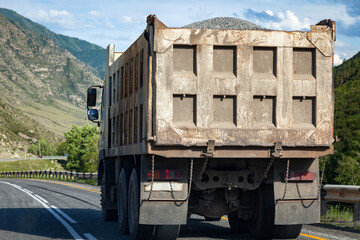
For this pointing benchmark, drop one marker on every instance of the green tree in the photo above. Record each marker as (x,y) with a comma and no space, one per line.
(81,145)
(90,158)
(46,148)
(348,171)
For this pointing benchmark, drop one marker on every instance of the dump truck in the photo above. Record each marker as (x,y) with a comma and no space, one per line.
(215,122)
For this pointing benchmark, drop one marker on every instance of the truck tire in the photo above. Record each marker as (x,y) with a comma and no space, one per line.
(210,219)
(122,202)
(167,232)
(263,224)
(137,231)
(287,231)
(108,215)
(237,225)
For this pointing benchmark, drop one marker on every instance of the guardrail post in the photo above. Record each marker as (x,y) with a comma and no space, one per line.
(356,212)
(323,208)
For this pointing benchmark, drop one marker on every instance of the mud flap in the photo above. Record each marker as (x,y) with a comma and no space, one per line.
(301,204)
(163,213)
(165,202)
(297,212)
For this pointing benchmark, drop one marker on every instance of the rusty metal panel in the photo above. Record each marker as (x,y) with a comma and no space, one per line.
(127,72)
(265,73)
(179,88)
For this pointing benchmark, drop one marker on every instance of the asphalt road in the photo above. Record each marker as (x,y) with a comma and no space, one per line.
(36,209)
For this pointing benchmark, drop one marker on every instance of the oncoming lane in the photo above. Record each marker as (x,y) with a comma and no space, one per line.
(23,216)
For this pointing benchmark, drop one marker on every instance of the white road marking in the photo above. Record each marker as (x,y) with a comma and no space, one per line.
(64,214)
(41,198)
(73,233)
(89,236)
(25,190)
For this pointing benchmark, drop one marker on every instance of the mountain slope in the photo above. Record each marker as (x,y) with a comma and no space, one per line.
(42,87)
(89,53)
(38,69)
(18,130)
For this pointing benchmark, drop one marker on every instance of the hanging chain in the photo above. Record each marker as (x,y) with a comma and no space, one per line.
(190,178)
(152,175)
(321,179)
(203,168)
(268,167)
(286,178)
(189,186)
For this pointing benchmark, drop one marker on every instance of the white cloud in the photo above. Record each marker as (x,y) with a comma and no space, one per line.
(109,24)
(63,18)
(337,60)
(269,12)
(59,14)
(340,43)
(288,21)
(127,19)
(345,18)
(95,13)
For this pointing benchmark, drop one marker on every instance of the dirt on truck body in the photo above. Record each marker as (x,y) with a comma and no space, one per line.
(215,122)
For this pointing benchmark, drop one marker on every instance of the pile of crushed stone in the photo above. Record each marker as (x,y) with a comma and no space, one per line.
(225,23)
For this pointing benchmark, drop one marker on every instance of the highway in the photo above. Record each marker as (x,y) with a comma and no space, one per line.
(42,209)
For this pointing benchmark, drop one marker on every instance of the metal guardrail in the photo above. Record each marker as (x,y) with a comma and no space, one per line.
(341,193)
(50,174)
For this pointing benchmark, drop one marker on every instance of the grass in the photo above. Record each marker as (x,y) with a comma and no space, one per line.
(57,117)
(41,164)
(340,215)
(32,165)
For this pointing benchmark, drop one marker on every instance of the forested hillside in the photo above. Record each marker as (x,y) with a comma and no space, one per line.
(343,167)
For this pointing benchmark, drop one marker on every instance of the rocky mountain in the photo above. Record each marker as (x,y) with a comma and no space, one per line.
(89,53)
(41,82)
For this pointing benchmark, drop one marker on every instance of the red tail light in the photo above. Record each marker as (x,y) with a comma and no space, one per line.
(166,174)
(305,176)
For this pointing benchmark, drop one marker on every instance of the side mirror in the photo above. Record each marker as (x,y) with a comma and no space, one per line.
(91,97)
(93,114)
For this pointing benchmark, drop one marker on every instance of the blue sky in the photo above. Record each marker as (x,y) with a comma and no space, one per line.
(121,22)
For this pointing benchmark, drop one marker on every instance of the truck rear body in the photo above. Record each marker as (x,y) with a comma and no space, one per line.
(233,109)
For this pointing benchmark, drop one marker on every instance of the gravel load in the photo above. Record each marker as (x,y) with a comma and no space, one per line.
(225,23)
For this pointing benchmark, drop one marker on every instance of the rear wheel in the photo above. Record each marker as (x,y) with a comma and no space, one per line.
(237,225)
(287,231)
(167,232)
(137,231)
(122,203)
(263,224)
(210,219)
(108,215)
